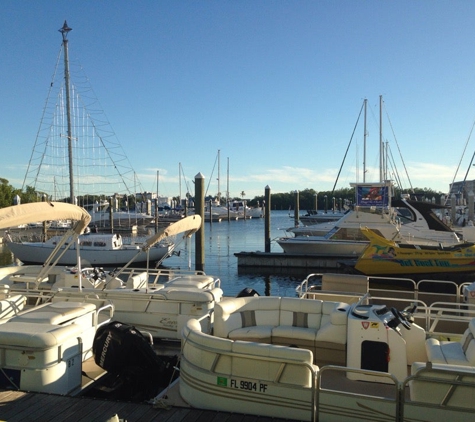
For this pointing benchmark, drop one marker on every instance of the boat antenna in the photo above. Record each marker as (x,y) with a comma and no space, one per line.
(64,32)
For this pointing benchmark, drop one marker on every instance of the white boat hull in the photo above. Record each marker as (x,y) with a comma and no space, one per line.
(277,377)
(38,253)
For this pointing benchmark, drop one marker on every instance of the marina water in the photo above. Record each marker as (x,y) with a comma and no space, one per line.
(224,239)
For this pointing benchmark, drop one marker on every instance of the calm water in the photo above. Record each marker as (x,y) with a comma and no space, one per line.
(222,241)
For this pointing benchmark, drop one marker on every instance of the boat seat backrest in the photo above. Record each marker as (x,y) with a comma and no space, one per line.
(300,313)
(354,283)
(312,324)
(454,352)
(245,312)
(137,281)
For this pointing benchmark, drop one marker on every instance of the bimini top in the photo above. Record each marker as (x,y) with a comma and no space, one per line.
(187,225)
(44,211)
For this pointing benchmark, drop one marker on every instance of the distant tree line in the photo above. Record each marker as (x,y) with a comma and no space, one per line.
(339,197)
(279,201)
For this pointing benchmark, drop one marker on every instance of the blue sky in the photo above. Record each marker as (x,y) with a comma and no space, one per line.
(276,86)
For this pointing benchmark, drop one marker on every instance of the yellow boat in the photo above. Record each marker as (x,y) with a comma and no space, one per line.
(385,257)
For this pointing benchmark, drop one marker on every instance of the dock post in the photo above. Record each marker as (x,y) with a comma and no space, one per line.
(200,210)
(44,232)
(453,206)
(296,209)
(470,197)
(267,218)
(111,213)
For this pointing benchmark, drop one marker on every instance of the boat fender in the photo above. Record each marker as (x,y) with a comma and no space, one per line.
(247,292)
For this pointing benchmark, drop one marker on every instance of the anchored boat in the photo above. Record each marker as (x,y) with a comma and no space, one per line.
(385,257)
(334,356)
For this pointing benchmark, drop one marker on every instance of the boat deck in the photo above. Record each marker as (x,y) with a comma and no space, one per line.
(18,406)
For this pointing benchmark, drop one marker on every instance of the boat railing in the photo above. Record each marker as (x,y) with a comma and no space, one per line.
(425,290)
(384,376)
(443,316)
(160,275)
(452,378)
(34,297)
(108,307)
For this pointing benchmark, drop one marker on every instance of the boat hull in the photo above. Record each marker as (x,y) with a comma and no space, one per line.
(383,257)
(38,254)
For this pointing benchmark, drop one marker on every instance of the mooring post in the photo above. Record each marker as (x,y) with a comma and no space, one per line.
(267,218)
(470,206)
(111,213)
(44,233)
(296,209)
(200,210)
(453,206)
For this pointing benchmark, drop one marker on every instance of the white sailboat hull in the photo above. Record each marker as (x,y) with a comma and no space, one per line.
(38,253)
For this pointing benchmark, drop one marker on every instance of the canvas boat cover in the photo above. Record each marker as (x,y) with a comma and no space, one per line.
(44,211)
(187,225)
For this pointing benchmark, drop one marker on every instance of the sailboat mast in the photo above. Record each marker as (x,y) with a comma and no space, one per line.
(219,175)
(227,185)
(364,142)
(64,31)
(380,138)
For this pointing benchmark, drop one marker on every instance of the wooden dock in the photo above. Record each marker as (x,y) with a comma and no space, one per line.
(16,406)
(284,261)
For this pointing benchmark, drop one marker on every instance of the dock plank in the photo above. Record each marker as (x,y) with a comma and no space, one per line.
(17,406)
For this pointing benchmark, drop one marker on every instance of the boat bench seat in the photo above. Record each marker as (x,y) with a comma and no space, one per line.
(445,394)
(198,281)
(247,360)
(453,352)
(10,306)
(190,294)
(319,326)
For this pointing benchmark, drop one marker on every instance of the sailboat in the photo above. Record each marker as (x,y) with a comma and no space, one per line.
(81,138)
(76,156)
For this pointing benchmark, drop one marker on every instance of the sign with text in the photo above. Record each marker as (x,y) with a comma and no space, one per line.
(372,196)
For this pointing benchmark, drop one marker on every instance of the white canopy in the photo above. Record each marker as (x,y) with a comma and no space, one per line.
(187,225)
(44,211)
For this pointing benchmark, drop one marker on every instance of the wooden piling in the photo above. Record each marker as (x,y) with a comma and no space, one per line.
(296,208)
(267,218)
(200,210)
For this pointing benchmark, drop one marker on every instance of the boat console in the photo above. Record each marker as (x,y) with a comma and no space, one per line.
(375,339)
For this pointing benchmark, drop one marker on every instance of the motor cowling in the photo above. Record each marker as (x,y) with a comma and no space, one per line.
(247,292)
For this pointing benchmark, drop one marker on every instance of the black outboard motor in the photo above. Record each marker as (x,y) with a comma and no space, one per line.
(247,292)
(135,371)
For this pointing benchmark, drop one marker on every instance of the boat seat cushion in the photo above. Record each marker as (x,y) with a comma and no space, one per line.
(247,319)
(453,352)
(319,326)
(56,313)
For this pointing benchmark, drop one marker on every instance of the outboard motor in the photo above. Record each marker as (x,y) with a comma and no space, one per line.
(247,292)
(135,371)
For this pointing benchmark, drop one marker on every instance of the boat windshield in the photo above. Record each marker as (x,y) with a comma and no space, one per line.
(347,233)
(405,215)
